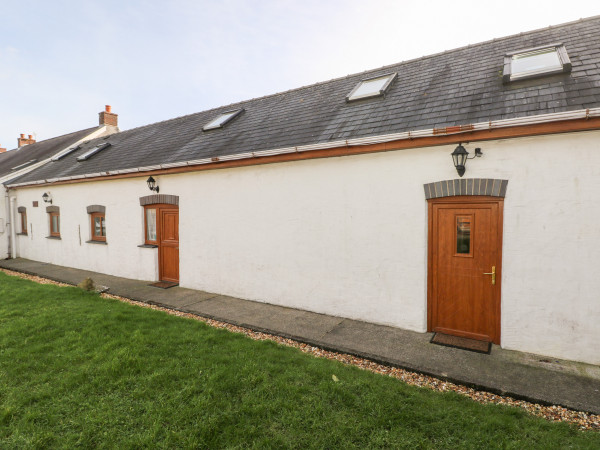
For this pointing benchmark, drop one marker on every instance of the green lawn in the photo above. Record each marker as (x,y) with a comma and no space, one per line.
(77,370)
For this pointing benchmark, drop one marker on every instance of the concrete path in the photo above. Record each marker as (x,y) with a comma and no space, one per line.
(520,375)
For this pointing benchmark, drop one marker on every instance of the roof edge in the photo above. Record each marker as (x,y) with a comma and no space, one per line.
(91,130)
(386,67)
(568,116)
(96,132)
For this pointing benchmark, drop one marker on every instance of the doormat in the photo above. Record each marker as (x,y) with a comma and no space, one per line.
(164,284)
(462,343)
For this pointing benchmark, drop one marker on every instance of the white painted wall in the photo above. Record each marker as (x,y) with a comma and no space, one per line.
(348,236)
(102,130)
(4,223)
(124,219)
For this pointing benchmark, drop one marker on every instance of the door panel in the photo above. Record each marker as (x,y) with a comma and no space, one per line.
(168,244)
(465,242)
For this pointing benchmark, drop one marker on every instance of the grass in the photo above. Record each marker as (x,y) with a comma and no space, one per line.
(77,370)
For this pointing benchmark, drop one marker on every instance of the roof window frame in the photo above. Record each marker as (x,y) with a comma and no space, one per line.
(234,113)
(563,57)
(23,165)
(64,153)
(88,154)
(391,77)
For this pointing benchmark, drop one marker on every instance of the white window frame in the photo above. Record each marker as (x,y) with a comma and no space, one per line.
(98,148)
(216,123)
(561,51)
(391,77)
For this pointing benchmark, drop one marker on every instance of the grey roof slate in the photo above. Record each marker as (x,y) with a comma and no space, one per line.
(39,151)
(456,87)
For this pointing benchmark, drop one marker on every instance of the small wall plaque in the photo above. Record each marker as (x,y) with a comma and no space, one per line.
(35,204)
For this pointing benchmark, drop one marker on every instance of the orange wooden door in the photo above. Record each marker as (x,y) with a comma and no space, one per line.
(168,244)
(465,247)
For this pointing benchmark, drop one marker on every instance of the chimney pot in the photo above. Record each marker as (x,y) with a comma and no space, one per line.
(107,117)
(25,141)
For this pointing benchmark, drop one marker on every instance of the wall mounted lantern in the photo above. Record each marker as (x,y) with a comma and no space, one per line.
(460,156)
(47,197)
(152,184)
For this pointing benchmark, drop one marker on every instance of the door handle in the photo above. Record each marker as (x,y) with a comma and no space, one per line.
(493,274)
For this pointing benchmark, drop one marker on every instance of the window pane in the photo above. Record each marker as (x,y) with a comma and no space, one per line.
(151,224)
(103,226)
(370,87)
(463,235)
(97,226)
(541,60)
(55,224)
(220,121)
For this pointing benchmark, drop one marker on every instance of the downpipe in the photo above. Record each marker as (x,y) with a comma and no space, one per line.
(13,237)
(8,224)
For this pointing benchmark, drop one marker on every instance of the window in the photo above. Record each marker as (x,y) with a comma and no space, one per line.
(21,166)
(150,222)
(87,155)
(64,153)
(463,235)
(98,226)
(372,87)
(535,62)
(23,215)
(220,121)
(54,223)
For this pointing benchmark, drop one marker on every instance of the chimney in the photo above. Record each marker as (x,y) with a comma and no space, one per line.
(2,150)
(108,118)
(25,141)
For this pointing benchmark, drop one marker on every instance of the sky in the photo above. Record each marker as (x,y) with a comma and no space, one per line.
(61,61)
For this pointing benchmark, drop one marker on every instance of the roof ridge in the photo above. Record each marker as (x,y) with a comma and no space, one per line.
(307,86)
(54,137)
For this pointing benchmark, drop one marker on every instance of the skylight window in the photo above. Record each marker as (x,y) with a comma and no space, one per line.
(535,62)
(21,166)
(65,153)
(220,121)
(87,155)
(372,87)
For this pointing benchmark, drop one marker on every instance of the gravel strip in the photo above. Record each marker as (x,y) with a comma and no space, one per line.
(554,413)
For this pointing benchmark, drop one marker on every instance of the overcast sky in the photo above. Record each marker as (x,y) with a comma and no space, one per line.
(61,61)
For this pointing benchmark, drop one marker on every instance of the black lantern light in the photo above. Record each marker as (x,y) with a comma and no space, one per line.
(46,197)
(460,156)
(152,184)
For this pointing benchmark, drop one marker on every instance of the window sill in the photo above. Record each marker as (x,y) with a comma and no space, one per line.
(21,234)
(148,246)
(58,238)
(96,242)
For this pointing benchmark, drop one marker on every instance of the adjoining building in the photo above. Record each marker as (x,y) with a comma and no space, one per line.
(30,155)
(456,193)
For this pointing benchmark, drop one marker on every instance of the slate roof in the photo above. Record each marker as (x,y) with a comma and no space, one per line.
(456,87)
(39,151)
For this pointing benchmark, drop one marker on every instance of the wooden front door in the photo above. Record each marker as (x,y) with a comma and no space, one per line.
(168,244)
(465,241)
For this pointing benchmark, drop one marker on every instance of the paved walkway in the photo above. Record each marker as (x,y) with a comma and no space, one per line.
(520,375)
